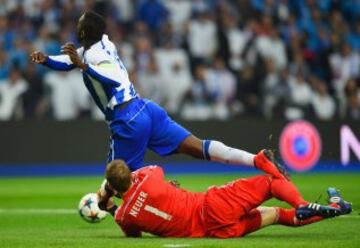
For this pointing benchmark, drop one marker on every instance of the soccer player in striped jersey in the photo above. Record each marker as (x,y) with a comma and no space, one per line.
(152,204)
(135,123)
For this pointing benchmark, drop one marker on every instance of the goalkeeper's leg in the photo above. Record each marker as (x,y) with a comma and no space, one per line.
(277,216)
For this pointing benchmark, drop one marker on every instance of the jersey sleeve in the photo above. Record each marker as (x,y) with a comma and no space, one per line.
(106,73)
(62,62)
(153,171)
(102,67)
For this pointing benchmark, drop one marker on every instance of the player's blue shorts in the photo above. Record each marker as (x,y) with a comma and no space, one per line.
(140,125)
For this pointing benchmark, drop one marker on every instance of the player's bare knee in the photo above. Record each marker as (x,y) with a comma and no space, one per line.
(268,215)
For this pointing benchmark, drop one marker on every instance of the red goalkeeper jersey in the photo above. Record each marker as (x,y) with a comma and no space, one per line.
(156,206)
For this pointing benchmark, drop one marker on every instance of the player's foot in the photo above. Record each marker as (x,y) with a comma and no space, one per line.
(335,197)
(314,209)
(266,162)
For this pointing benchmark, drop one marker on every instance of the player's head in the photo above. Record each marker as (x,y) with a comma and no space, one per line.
(118,176)
(90,28)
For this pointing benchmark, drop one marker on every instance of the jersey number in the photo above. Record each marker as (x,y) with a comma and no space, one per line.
(158,212)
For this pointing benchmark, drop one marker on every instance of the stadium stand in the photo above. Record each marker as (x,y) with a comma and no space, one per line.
(202,59)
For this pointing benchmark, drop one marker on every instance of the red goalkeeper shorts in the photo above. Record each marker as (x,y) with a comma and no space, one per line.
(230,210)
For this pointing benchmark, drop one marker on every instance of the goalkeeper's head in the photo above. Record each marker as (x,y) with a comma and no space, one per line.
(118,176)
(90,28)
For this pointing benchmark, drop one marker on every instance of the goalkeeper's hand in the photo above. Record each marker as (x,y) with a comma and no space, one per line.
(111,206)
(106,190)
(104,194)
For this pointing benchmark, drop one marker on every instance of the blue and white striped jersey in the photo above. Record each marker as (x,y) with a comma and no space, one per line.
(106,77)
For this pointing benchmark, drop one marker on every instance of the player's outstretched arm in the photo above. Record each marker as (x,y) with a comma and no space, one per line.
(73,56)
(61,62)
(38,57)
(99,68)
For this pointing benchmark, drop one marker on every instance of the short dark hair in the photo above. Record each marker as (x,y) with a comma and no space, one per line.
(93,25)
(118,175)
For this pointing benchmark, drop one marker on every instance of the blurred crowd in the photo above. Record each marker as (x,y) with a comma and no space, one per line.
(200,59)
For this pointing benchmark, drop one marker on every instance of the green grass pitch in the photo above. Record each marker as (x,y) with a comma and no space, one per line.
(27,219)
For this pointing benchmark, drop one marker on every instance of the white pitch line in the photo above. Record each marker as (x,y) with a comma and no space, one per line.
(349,216)
(37,211)
(176,245)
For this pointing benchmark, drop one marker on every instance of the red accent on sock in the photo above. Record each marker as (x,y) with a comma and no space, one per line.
(335,205)
(287,217)
(310,220)
(286,191)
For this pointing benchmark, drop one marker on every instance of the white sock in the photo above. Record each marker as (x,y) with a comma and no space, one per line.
(219,152)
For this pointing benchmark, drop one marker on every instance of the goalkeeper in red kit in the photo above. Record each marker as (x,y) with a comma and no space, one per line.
(152,204)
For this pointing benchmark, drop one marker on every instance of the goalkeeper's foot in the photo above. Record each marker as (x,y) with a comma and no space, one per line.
(315,209)
(266,162)
(335,197)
